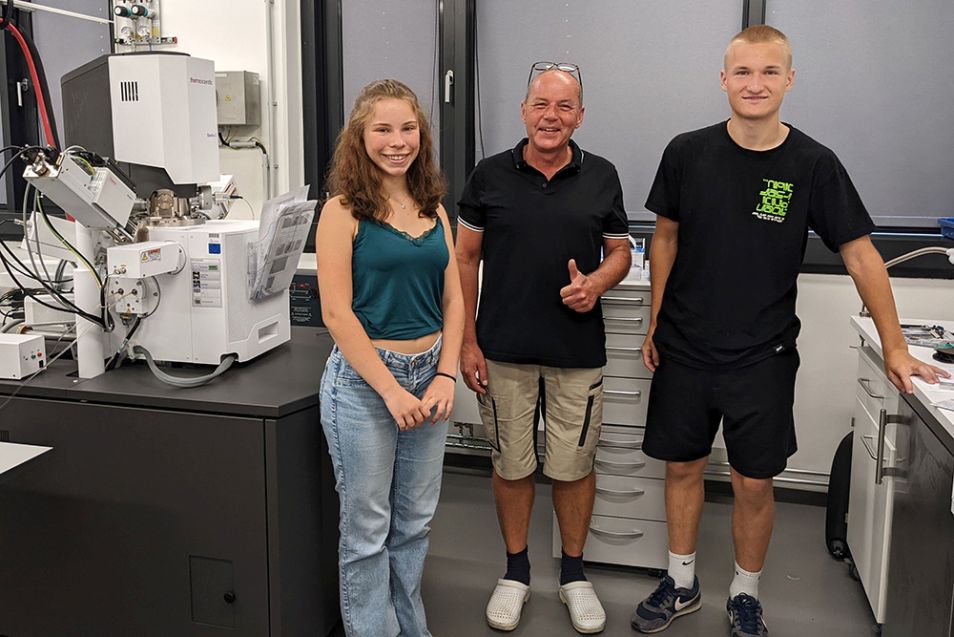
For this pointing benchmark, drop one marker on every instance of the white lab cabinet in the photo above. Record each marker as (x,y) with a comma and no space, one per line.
(871,500)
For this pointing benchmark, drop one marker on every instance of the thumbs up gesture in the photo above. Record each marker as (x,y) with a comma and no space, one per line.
(581,294)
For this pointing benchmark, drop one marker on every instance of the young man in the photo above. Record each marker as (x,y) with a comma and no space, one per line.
(538,216)
(735,202)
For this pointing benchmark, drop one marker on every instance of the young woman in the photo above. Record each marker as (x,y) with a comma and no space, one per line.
(391,298)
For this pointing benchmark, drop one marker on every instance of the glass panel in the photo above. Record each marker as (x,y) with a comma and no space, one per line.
(392,39)
(875,83)
(67,43)
(650,71)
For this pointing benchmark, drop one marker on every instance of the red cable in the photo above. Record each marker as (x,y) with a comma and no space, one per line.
(40,102)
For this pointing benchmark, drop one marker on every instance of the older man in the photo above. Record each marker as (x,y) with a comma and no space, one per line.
(735,202)
(538,215)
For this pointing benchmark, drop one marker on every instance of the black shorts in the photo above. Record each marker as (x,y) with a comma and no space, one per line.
(753,402)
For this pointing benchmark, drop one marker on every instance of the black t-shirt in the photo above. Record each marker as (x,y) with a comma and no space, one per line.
(743,225)
(532,227)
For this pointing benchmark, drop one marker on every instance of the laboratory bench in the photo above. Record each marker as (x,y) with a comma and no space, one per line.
(165,511)
(901,502)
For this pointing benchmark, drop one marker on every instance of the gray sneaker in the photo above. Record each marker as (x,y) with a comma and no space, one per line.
(656,612)
(745,616)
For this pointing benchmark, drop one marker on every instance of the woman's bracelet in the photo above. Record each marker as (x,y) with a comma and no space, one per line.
(453,378)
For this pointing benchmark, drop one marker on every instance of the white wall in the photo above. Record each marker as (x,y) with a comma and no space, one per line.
(826,380)
(238,35)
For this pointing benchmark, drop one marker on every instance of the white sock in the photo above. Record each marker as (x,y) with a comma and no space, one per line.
(744,582)
(682,569)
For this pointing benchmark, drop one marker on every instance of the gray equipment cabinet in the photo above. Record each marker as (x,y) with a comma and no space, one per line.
(162,511)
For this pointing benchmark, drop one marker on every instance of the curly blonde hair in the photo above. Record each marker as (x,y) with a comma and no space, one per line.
(358,180)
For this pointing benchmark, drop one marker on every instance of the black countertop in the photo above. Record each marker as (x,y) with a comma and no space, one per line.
(283,381)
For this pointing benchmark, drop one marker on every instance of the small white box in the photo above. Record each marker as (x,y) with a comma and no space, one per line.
(21,355)
(144,259)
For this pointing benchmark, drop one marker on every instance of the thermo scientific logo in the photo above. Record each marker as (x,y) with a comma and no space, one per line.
(197,80)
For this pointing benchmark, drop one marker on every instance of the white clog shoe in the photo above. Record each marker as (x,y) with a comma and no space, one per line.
(586,612)
(506,604)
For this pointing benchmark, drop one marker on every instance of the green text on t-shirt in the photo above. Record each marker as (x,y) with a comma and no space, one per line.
(775,196)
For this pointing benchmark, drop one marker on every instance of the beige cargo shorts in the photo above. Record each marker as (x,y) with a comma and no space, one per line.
(570,402)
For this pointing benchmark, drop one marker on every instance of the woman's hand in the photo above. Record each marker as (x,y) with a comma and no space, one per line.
(439,398)
(407,409)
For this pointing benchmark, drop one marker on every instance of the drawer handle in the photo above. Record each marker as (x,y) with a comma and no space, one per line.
(620,465)
(624,349)
(636,300)
(638,319)
(609,443)
(866,385)
(616,392)
(616,492)
(630,534)
(880,471)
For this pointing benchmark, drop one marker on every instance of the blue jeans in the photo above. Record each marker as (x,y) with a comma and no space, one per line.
(388,482)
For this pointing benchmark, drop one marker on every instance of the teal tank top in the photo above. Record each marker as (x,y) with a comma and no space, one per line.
(398,280)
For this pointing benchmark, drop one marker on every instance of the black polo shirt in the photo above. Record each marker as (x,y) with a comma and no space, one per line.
(532,227)
(743,219)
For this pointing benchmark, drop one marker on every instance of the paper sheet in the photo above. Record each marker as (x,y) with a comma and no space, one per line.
(283,231)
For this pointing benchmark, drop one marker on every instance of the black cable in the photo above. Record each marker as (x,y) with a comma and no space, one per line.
(108,323)
(69,246)
(257,143)
(116,358)
(26,273)
(23,150)
(71,307)
(47,287)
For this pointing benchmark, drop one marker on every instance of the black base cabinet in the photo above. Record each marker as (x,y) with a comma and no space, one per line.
(920,597)
(157,523)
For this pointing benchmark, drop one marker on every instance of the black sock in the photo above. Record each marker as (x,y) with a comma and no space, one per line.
(518,567)
(571,569)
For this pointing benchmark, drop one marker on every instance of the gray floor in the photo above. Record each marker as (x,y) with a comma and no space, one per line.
(805,592)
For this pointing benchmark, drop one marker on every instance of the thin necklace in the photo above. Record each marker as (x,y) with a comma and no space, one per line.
(399,202)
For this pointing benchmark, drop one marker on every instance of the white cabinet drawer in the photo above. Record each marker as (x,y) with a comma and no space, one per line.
(621,541)
(627,497)
(620,318)
(625,400)
(631,296)
(873,389)
(620,453)
(624,357)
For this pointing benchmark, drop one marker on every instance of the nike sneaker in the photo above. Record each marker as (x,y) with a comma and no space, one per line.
(745,616)
(656,612)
